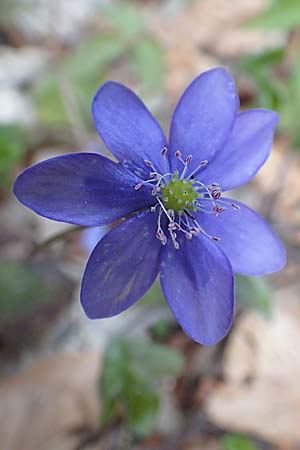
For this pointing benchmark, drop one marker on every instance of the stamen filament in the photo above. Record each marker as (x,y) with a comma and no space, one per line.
(163,208)
(198,168)
(179,197)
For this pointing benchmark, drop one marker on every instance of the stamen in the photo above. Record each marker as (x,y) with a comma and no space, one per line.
(151,165)
(186,163)
(163,208)
(179,196)
(206,211)
(164,155)
(172,214)
(173,237)
(198,168)
(214,238)
(215,189)
(148,163)
(159,233)
(219,209)
(187,212)
(208,191)
(195,231)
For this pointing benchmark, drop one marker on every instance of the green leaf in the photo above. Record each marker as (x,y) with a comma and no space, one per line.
(237,442)
(49,102)
(12,149)
(289,106)
(131,370)
(148,64)
(260,61)
(254,293)
(154,294)
(112,381)
(141,406)
(161,330)
(23,290)
(276,93)
(115,362)
(75,80)
(282,14)
(92,56)
(153,361)
(125,17)
(260,69)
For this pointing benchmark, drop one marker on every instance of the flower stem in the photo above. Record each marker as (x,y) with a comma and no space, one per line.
(37,248)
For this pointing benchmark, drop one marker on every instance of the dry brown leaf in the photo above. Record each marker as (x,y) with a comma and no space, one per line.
(204,444)
(47,406)
(207,33)
(281,174)
(261,393)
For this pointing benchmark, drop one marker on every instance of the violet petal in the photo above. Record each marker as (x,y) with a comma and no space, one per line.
(246,150)
(197,282)
(82,189)
(203,117)
(128,129)
(122,267)
(248,241)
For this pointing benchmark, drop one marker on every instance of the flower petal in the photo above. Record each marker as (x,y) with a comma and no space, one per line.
(81,188)
(246,150)
(197,282)
(203,117)
(122,267)
(128,129)
(248,241)
(91,236)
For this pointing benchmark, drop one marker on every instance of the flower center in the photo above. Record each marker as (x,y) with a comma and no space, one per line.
(179,195)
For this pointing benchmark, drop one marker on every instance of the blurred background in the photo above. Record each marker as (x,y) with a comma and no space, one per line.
(137,381)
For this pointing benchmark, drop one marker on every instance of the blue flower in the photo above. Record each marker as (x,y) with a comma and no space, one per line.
(91,236)
(176,223)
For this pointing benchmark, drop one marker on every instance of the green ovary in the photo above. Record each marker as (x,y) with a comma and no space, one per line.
(179,194)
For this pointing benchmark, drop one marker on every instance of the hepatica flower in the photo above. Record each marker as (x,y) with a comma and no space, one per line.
(177,222)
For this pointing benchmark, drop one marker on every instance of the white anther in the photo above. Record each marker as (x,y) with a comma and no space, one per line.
(171,213)
(195,231)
